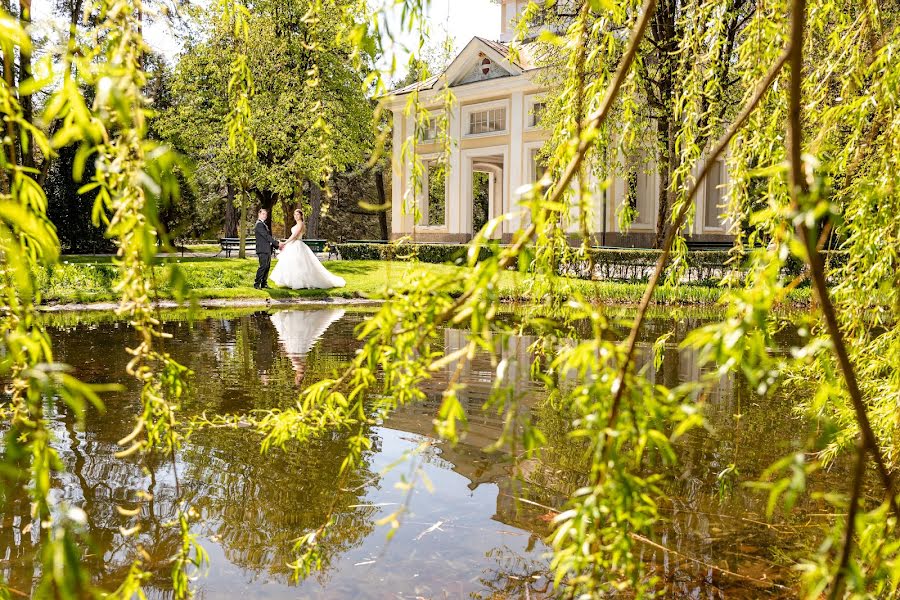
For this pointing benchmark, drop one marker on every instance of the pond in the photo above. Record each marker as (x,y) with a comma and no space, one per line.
(479,530)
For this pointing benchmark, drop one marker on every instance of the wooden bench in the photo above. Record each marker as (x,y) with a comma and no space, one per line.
(230,245)
(233,244)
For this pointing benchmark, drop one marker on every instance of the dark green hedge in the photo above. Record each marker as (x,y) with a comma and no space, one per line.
(637,264)
(427,253)
(624,264)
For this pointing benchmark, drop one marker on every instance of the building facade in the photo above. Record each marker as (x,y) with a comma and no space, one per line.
(496,134)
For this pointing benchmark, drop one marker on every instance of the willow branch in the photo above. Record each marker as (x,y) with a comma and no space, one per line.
(716,152)
(593,122)
(799,188)
(837,591)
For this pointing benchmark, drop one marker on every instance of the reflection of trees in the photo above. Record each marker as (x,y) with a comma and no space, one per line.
(18,533)
(257,504)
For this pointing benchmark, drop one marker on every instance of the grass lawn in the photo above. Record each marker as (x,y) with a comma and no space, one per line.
(84,279)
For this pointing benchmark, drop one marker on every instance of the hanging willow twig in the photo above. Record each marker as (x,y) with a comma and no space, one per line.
(674,231)
(799,189)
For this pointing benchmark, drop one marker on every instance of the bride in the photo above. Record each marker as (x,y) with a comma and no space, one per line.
(298,267)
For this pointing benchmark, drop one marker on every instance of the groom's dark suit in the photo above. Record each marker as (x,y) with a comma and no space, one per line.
(265,245)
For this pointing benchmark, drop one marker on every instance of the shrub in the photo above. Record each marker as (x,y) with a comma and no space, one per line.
(703,266)
(611,264)
(427,253)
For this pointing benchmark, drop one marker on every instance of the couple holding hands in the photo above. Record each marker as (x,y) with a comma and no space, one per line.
(297,267)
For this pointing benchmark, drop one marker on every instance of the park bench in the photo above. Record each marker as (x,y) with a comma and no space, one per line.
(233,244)
(316,245)
(230,245)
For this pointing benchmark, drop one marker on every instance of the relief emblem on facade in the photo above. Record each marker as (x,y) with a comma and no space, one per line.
(482,70)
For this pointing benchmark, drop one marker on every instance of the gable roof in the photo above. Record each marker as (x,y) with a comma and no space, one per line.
(418,85)
(504,51)
(497,51)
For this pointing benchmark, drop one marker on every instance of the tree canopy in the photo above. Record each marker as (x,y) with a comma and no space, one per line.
(279,92)
(310,113)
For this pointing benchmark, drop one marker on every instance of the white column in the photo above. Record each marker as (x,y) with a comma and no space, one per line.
(397,184)
(454,184)
(409,219)
(515,164)
(699,202)
(597,204)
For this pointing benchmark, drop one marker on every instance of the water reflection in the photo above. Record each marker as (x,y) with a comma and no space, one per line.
(299,330)
(479,534)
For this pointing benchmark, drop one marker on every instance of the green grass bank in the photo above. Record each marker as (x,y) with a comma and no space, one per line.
(83,280)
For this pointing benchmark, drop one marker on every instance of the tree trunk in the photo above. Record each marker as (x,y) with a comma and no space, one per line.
(382,200)
(267,201)
(231,213)
(288,204)
(25,74)
(315,209)
(242,228)
(664,168)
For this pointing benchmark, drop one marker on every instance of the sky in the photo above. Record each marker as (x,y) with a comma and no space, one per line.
(467,18)
(463,18)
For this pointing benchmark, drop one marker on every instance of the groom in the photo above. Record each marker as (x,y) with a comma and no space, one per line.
(265,245)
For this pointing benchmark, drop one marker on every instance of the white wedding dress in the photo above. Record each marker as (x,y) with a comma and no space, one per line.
(298,268)
(299,330)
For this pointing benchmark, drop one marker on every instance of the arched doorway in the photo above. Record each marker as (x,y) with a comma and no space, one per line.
(486,191)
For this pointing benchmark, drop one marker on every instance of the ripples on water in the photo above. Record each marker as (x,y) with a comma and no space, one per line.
(478,534)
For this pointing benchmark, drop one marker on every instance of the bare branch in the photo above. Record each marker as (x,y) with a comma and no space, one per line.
(799,187)
(717,151)
(837,591)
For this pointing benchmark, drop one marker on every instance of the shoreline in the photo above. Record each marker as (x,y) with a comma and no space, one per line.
(213,303)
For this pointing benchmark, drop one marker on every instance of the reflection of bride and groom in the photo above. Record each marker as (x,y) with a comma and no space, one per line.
(298,331)
(297,267)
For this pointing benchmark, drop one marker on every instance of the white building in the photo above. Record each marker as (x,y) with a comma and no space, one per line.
(496,140)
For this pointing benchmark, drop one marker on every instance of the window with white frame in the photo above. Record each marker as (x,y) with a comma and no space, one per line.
(538,168)
(487,120)
(714,196)
(535,112)
(430,131)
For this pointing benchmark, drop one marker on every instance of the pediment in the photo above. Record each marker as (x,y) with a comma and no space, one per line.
(480,61)
(482,69)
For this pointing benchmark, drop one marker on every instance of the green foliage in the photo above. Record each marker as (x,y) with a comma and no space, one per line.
(426,253)
(628,423)
(27,240)
(282,77)
(840,94)
(191,558)
(95,104)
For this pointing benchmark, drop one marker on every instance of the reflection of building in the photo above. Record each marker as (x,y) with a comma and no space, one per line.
(496,137)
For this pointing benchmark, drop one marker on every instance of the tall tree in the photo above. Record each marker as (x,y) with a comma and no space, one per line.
(310,115)
(688,55)
(673,60)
